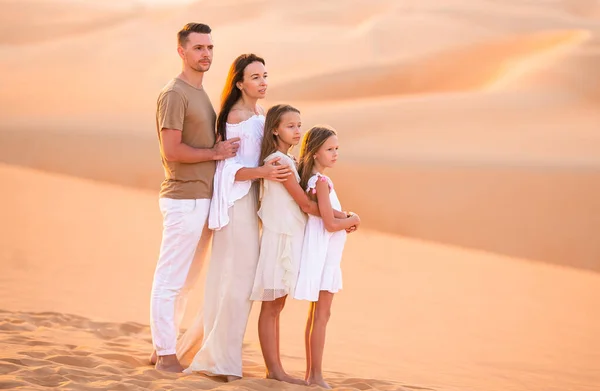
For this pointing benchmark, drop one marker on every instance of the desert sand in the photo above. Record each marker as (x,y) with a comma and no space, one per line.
(470,148)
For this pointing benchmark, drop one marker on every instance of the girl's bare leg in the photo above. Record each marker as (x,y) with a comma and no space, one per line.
(277,331)
(309,324)
(268,334)
(321,314)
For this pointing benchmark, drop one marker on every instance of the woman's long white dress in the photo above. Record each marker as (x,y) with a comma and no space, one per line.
(230,275)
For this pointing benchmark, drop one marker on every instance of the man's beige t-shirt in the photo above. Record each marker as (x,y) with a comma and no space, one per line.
(183,107)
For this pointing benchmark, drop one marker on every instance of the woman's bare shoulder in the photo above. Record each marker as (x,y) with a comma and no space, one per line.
(237,116)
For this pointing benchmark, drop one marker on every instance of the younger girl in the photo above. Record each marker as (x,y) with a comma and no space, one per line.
(283,223)
(320,274)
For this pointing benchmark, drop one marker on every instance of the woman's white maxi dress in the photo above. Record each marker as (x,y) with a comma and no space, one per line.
(230,275)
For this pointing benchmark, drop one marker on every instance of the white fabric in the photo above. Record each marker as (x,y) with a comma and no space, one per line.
(227,290)
(233,216)
(283,225)
(177,270)
(226,189)
(320,268)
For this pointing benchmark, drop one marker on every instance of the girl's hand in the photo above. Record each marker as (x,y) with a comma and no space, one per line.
(356,219)
(273,171)
(354,227)
(353,216)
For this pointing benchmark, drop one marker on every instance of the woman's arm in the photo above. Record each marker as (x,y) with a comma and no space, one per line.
(332,224)
(269,171)
(304,202)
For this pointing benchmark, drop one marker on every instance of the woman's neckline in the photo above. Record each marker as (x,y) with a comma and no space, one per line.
(246,120)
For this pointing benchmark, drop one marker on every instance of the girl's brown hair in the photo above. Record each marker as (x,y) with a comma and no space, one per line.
(311,142)
(272,122)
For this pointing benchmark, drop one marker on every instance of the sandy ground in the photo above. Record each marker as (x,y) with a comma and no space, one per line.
(470,147)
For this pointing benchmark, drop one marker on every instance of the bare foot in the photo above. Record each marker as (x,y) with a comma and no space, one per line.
(153,358)
(230,378)
(319,381)
(284,377)
(169,364)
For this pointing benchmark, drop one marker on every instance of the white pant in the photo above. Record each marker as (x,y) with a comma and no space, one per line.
(184,229)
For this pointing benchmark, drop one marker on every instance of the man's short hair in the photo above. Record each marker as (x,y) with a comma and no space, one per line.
(184,33)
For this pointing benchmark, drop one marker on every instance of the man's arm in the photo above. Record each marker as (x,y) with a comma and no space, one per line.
(175,150)
(170,117)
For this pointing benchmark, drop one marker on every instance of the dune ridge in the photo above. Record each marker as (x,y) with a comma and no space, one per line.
(30,22)
(477,67)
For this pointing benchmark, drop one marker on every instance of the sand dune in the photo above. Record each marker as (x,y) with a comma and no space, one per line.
(496,61)
(504,87)
(33,21)
(413,314)
(70,352)
(470,123)
(393,36)
(583,8)
(512,187)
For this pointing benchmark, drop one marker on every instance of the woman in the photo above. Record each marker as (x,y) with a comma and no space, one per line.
(233,216)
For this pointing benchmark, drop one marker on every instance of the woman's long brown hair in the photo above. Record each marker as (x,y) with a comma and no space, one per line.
(231,94)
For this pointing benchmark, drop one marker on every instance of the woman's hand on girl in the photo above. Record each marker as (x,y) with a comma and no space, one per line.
(274,171)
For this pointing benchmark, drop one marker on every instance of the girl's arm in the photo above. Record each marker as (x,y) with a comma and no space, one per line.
(332,224)
(306,204)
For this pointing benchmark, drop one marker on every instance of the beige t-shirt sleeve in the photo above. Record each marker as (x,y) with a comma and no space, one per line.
(171,111)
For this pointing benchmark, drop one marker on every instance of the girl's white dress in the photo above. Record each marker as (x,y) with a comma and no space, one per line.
(321,252)
(283,224)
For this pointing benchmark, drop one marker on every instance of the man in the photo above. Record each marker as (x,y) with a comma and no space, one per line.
(185,122)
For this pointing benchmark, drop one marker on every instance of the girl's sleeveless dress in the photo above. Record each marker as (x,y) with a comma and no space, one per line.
(321,258)
(283,224)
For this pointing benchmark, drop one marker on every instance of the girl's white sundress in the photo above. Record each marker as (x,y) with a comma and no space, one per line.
(321,252)
(283,224)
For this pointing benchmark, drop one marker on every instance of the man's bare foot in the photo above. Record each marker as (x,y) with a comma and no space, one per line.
(284,377)
(153,358)
(319,381)
(169,363)
(230,378)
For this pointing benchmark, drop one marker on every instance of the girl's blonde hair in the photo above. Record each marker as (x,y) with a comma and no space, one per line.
(272,122)
(313,139)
